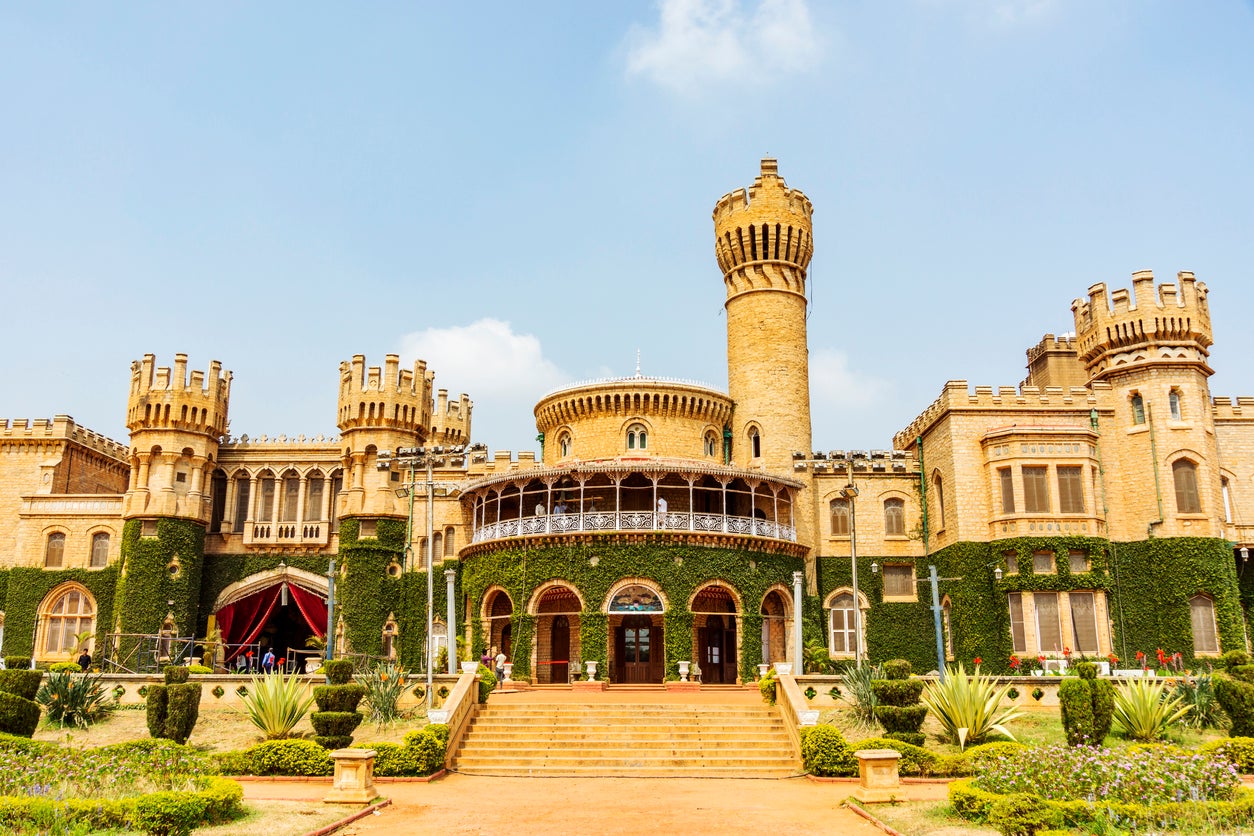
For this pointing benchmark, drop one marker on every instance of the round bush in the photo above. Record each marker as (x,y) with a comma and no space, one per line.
(339,697)
(289,757)
(825,752)
(23,683)
(487,682)
(1022,815)
(897,669)
(338,671)
(65,667)
(18,716)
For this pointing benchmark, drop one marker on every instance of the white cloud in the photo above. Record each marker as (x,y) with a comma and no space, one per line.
(835,386)
(1001,14)
(699,42)
(504,373)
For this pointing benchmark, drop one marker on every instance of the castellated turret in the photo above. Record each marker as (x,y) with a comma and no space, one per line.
(175,426)
(762,238)
(1170,327)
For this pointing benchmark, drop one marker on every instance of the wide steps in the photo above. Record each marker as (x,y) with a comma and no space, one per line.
(616,739)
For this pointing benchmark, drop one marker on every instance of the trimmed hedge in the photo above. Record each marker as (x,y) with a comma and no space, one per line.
(22,683)
(1238,750)
(1236,697)
(17,715)
(421,754)
(824,752)
(173,708)
(1087,705)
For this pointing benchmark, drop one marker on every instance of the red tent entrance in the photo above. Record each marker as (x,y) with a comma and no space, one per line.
(281,616)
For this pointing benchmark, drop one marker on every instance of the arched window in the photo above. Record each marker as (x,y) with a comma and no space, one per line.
(390,631)
(242,488)
(313,496)
(563,445)
(265,512)
(422,554)
(1173,400)
(843,624)
(637,437)
(437,544)
(840,517)
(1184,472)
(54,551)
(450,542)
(1227,492)
(1202,613)
(894,517)
(68,611)
(291,496)
(711,443)
(938,487)
(1138,409)
(99,550)
(755,443)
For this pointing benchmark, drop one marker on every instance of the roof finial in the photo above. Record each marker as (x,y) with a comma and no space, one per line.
(637,362)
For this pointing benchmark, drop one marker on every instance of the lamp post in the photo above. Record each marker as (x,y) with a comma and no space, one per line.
(413,458)
(850,493)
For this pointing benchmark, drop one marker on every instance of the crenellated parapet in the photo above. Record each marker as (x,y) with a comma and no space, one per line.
(1233,409)
(386,397)
(957,396)
(1167,325)
(450,423)
(163,399)
(762,235)
(60,428)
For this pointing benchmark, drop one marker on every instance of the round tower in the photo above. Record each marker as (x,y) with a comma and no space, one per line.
(1151,347)
(763,243)
(379,409)
(175,426)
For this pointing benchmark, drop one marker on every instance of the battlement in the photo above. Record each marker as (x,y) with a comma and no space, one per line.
(957,396)
(1147,325)
(1050,344)
(768,222)
(450,424)
(500,461)
(165,398)
(60,427)
(1233,409)
(387,396)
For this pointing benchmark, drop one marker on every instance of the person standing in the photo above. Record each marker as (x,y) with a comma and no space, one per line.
(84,660)
(500,666)
(267,661)
(661,512)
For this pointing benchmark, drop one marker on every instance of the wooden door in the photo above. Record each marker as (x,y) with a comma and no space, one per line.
(559,650)
(712,650)
(636,649)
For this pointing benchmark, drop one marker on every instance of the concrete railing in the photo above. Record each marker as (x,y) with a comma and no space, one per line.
(460,707)
(792,706)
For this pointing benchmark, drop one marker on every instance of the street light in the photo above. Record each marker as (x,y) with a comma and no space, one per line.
(849,493)
(413,458)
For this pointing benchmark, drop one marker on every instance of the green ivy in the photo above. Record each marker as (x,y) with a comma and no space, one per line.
(678,570)
(27,587)
(365,593)
(146,585)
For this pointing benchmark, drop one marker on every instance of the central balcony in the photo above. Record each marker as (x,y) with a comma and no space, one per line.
(635,521)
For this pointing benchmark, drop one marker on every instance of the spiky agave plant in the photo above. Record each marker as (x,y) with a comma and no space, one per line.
(1143,710)
(276,703)
(969,707)
(859,693)
(76,699)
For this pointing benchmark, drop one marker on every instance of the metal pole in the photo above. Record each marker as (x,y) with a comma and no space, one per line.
(936,622)
(430,583)
(857,599)
(797,657)
(449,576)
(407,556)
(330,646)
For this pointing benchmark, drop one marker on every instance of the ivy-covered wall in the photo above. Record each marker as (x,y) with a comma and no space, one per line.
(1147,583)
(678,569)
(26,588)
(147,584)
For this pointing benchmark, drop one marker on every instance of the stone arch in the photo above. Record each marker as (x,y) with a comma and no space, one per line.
(262,580)
(717,630)
(777,615)
(556,605)
(622,584)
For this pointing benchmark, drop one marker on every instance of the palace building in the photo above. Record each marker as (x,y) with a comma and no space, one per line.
(1103,506)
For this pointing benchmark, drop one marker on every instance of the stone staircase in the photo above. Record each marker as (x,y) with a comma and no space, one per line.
(627,740)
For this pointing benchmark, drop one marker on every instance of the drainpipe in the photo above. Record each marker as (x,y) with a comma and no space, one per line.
(1158,491)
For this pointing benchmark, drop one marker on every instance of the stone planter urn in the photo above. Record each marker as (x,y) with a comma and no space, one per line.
(509,671)
(762,669)
(470,667)
(437,715)
(592,670)
(683,671)
(783,668)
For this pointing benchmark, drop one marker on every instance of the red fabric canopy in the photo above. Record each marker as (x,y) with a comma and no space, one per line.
(242,622)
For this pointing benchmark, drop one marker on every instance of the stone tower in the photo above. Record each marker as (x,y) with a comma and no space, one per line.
(763,243)
(379,409)
(1152,348)
(175,426)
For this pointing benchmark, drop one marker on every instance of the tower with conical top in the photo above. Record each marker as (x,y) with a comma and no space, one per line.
(764,245)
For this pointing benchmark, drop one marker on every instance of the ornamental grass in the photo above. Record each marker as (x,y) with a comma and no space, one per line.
(1144,711)
(1137,775)
(385,685)
(276,703)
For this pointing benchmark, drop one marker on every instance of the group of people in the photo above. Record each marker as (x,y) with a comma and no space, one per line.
(495,660)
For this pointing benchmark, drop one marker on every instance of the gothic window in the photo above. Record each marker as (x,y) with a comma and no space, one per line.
(755,443)
(313,496)
(54,551)
(938,487)
(637,437)
(1070,490)
(437,544)
(242,488)
(563,445)
(894,517)
(711,444)
(291,496)
(1202,613)
(840,517)
(1036,490)
(67,611)
(266,512)
(1138,409)
(99,550)
(1184,472)
(1173,400)
(946,606)
(450,545)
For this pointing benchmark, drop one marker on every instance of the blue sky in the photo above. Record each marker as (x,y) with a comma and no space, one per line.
(521,193)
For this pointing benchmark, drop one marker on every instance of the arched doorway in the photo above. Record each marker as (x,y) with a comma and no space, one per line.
(500,611)
(635,617)
(774,627)
(714,618)
(557,634)
(279,610)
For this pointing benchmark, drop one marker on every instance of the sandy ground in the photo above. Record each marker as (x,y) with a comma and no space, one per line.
(462,805)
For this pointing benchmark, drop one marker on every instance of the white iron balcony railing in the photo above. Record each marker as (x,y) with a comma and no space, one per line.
(634,521)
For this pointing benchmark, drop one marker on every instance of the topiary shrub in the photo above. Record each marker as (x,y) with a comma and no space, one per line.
(1087,705)
(1021,814)
(487,683)
(1234,659)
(289,757)
(65,667)
(199,670)
(825,752)
(1237,699)
(897,703)
(767,686)
(19,713)
(430,745)
(174,707)
(337,717)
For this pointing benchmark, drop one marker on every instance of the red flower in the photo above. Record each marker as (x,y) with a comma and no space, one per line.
(1140,655)
(1014,663)
(1113,659)
(1041,659)
(977,661)
(1066,651)
(281,660)
(1162,657)
(249,653)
